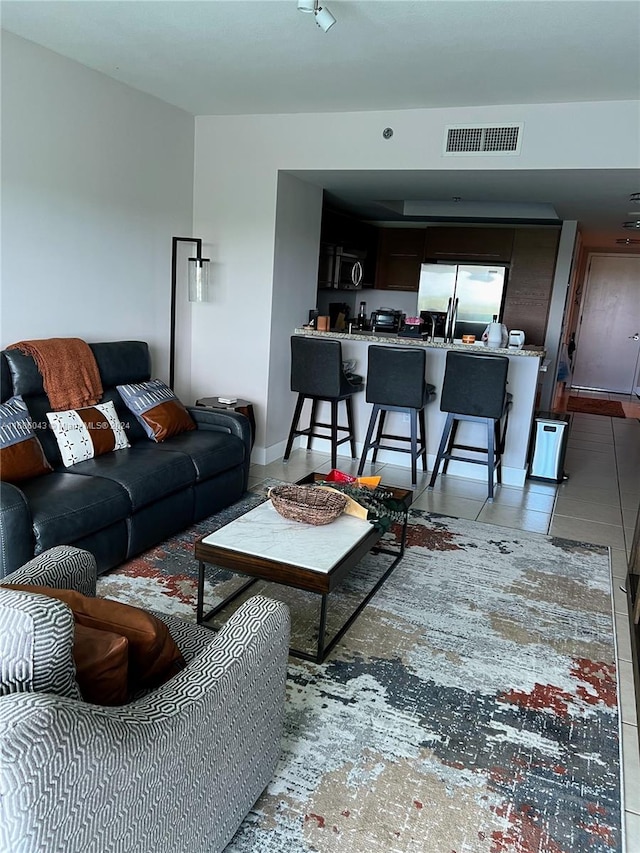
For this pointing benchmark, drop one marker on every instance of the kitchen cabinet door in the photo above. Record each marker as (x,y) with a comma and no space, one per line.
(351,235)
(530,281)
(400,254)
(468,244)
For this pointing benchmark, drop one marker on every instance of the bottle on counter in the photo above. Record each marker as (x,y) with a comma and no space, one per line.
(362,316)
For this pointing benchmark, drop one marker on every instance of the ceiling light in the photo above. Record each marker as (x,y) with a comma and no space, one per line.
(634,198)
(626,241)
(633,223)
(324,18)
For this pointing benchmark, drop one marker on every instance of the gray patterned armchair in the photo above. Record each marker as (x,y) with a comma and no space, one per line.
(177,769)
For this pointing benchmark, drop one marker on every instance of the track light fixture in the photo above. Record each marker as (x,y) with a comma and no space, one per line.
(324,18)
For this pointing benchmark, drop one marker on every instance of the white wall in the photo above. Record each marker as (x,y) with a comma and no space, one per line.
(238,160)
(298,218)
(96,179)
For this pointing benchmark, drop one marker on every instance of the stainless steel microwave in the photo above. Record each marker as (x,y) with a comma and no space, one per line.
(340,269)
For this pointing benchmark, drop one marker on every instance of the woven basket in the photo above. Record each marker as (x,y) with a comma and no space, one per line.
(307,504)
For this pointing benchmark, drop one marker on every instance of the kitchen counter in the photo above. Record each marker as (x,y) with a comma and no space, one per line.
(438,343)
(524,368)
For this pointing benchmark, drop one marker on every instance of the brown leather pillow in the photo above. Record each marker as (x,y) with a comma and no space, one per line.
(102,665)
(167,419)
(23,461)
(21,454)
(153,655)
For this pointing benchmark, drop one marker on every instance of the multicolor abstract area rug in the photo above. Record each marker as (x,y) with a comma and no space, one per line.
(471,707)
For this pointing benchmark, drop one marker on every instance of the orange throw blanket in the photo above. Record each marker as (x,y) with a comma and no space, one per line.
(69,371)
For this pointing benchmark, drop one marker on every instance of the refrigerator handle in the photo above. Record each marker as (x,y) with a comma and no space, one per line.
(447,321)
(454,320)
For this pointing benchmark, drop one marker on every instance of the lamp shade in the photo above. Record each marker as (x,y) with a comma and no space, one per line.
(198,279)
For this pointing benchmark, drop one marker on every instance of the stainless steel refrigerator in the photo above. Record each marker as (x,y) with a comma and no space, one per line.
(463,297)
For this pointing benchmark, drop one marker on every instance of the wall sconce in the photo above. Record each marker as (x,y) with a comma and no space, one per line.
(198,288)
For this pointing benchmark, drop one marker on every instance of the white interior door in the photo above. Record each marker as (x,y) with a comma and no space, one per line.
(608,341)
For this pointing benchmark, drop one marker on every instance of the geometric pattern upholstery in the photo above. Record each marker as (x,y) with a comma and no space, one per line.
(176,769)
(36,645)
(62,567)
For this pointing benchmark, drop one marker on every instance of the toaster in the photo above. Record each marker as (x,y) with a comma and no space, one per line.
(386,320)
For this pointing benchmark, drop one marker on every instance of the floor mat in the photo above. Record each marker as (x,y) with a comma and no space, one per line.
(595,406)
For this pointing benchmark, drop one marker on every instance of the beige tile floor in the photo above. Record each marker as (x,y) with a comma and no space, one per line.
(597,503)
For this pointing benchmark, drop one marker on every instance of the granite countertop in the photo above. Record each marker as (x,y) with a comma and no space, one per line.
(381,337)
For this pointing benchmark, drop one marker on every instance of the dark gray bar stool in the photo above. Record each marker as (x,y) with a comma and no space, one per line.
(317,375)
(396,383)
(474,389)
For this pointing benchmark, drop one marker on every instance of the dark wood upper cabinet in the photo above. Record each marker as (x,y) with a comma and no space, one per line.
(468,244)
(400,254)
(352,235)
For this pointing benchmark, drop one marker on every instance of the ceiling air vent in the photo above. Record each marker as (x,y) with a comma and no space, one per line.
(483,139)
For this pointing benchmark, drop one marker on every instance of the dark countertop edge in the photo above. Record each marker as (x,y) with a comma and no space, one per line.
(532,352)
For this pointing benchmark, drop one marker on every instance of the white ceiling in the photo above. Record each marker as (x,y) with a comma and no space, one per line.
(264,56)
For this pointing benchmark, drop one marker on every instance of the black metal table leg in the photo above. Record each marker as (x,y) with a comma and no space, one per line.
(322,629)
(200,599)
(204,617)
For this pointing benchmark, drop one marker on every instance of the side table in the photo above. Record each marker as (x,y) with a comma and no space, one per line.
(243,406)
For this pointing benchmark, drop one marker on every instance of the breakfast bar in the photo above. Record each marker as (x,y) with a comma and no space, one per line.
(525,365)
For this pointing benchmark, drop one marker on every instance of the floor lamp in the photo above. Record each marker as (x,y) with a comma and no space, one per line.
(198,289)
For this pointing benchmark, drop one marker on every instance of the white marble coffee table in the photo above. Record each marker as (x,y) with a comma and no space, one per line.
(264,546)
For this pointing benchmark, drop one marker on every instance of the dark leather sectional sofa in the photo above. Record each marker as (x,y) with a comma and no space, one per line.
(121,503)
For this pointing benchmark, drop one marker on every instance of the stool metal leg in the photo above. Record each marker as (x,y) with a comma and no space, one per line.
(334,433)
(367,441)
(352,433)
(441,450)
(423,436)
(312,422)
(452,442)
(491,456)
(294,426)
(414,447)
(498,447)
(382,414)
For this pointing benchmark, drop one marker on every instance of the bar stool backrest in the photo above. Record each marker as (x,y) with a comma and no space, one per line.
(474,384)
(316,367)
(396,376)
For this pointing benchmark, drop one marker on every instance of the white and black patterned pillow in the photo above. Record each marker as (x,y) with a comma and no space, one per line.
(88,432)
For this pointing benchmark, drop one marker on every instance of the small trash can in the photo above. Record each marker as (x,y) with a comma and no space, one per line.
(548,447)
